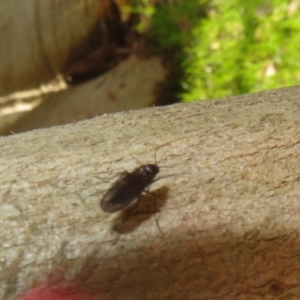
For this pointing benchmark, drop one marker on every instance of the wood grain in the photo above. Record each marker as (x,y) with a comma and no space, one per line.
(229,211)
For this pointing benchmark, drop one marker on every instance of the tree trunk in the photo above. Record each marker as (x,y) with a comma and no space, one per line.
(77,39)
(227,204)
(39,39)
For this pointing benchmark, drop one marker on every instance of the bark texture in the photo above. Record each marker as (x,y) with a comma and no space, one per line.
(228,204)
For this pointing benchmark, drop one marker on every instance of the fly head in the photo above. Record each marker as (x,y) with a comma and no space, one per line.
(149,172)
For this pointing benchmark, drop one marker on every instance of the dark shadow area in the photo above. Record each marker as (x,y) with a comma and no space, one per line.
(214,261)
(136,214)
(207,266)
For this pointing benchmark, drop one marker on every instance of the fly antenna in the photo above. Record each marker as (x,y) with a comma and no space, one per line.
(155,157)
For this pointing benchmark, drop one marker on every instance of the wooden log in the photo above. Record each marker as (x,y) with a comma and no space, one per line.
(228,204)
(133,84)
(40,38)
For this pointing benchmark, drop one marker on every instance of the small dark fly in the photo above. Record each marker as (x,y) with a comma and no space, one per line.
(128,187)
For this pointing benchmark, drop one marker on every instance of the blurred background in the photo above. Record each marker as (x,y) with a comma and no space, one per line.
(62,61)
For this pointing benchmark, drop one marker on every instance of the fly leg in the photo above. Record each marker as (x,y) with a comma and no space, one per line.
(125,218)
(155,210)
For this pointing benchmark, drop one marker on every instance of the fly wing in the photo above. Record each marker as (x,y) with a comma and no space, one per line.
(123,192)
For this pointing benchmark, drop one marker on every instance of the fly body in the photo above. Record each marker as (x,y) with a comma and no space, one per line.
(128,187)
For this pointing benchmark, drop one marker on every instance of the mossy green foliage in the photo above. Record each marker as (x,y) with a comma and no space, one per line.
(243,47)
(230,47)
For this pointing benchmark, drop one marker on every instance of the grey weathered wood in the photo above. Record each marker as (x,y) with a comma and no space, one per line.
(229,220)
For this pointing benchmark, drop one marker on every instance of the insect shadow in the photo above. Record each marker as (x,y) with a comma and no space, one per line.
(129,193)
(147,205)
